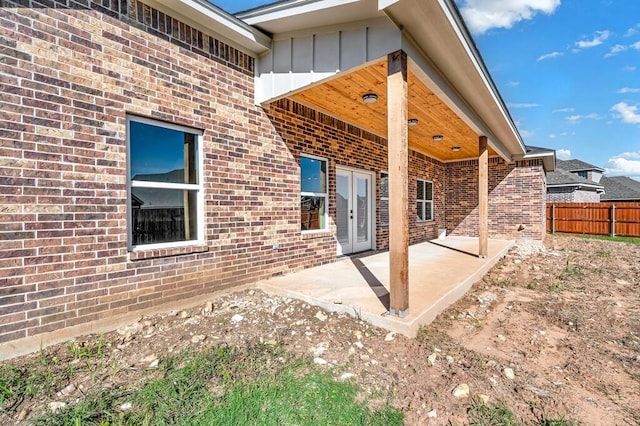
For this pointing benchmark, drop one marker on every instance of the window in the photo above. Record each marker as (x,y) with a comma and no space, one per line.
(424,200)
(164,183)
(583,174)
(384,198)
(313,193)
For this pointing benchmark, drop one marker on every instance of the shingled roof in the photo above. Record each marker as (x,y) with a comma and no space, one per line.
(561,177)
(577,166)
(620,188)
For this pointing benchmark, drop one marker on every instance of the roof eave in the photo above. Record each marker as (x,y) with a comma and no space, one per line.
(490,104)
(226,25)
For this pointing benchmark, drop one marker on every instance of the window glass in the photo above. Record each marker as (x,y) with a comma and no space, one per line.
(159,154)
(384,198)
(312,213)
(384,185)
(164,183)
(165,215)
(313,194)
(313,175)
(424,200)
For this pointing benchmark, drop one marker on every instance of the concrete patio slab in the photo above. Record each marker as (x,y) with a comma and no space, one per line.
(440,272)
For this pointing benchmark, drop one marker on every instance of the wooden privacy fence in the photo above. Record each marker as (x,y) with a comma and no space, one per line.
(621,219)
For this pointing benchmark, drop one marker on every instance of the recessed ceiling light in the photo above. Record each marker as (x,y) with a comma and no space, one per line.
(369,98)
(413,122)
(438,138)
(455,149)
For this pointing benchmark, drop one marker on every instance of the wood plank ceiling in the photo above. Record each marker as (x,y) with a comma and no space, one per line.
(342,98)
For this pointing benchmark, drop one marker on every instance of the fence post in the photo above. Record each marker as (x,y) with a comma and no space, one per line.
(613,220)
(553,218)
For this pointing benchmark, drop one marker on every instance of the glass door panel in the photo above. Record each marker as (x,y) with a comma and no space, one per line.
(343,197)
(353,211)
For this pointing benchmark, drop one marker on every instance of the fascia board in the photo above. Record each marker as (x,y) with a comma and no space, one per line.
(288,10)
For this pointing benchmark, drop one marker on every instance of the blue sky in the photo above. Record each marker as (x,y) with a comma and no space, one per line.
(569,71)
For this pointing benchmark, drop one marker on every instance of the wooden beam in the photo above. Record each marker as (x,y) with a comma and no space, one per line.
(398,150)
(483,198)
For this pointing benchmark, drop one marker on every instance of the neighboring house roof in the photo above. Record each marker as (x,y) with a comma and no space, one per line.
(577,166)
(564,178)
(620,188)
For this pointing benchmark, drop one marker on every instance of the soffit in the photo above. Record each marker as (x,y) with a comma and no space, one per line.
(342,98)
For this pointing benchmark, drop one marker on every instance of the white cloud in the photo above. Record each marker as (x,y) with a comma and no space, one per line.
(482,15)
(563,154)
(636,45)
(564,110)
(523,105)
(573,119)
(632,31)
(627,113)
(627,164)
(597,40)
(550,56)
(629,68)
(618,48)
(513,83)
(629,90)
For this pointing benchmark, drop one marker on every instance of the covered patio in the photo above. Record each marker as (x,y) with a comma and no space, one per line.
(440,272)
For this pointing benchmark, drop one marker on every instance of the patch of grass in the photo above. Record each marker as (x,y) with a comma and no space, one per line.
(310,399)
(481,414)
(251,385)
(19,383)
(603,253)
(631,240)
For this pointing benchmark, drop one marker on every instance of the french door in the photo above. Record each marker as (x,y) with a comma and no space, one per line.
(354,207)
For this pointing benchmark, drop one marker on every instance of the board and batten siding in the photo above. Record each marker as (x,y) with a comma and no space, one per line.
(300,59)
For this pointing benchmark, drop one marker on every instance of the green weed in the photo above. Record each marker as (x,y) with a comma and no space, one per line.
(88,350)
(481,414)
(570,272)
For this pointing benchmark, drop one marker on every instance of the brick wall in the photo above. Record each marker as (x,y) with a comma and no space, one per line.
(516,199)
(571,195)
(307,131)
(68,76)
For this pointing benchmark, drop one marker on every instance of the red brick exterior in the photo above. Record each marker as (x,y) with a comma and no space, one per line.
(68,78)
(306,131)
(516,199)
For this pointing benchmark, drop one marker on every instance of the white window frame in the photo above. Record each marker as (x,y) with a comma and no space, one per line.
(424,202)
(199,187)
(382,198)
(317,194)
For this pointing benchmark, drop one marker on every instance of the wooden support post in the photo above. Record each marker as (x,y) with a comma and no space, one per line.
(553,218)
(613,220)
(483,198)
(398,150)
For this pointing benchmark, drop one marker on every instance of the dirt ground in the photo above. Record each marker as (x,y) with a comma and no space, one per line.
(551,332)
